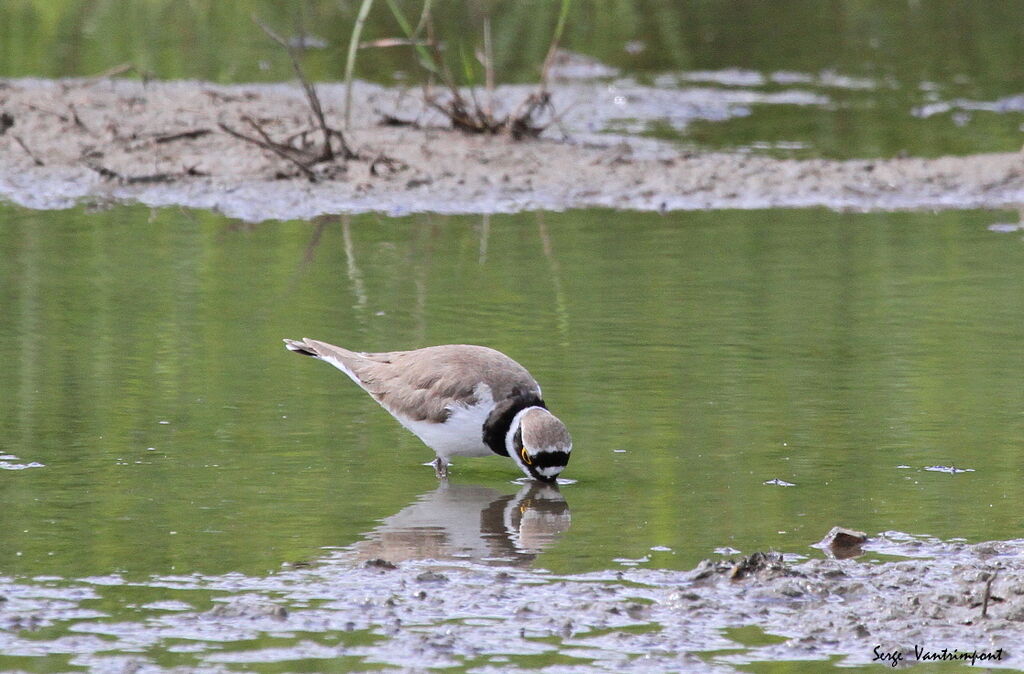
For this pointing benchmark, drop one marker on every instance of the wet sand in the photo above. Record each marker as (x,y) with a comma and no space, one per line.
(159,143)
(418,614)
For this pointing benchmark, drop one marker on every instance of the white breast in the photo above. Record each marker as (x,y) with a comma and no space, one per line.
(462,433)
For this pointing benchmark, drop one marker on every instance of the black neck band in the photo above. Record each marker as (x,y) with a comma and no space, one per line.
(500,420)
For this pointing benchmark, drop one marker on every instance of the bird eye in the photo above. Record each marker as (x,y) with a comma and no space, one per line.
(517,442)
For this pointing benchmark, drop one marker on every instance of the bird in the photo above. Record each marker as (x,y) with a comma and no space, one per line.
(460,400)
(470,522)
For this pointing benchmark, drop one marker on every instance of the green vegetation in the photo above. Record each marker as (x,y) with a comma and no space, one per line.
(212,40)
(465,109)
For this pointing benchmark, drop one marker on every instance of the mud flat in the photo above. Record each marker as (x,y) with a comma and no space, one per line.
(159,143)
(932,600)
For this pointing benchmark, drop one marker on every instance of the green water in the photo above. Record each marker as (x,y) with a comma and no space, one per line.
(141,364)
(910,54)
(934,40)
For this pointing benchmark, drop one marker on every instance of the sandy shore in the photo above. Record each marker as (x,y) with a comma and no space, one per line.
(159,143)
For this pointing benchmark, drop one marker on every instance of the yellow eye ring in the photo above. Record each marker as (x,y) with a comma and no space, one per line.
(526,457)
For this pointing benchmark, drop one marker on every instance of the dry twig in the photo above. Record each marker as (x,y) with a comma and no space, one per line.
(76,119)
(390,165)
(184,135)
(38,108)
(988,595)
(305,157)
(35,159)
(277,148)
(327,152)
(114,72)
(110,174)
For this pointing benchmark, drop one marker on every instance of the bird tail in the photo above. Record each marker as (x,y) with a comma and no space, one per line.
(300,347)
(343,359)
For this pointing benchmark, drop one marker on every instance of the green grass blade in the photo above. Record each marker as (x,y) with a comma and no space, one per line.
(350,62)
(425,57)
(563,16)
(468,71)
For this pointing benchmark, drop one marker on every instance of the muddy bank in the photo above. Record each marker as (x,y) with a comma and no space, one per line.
(159,143)
(418,614)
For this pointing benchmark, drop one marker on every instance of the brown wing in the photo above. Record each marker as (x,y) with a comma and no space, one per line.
(424,384)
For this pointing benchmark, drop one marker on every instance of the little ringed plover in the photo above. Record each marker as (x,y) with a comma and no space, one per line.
(460,400)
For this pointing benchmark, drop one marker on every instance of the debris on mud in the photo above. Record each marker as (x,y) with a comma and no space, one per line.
(306,153)
(191,171)
(248,608)
(136,129)
(935,595)
(762,564)
(843,543)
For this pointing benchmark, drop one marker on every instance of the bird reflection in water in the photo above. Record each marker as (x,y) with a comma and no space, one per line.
(471,523)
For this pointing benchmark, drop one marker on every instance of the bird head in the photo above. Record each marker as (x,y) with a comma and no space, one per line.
(539,443)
